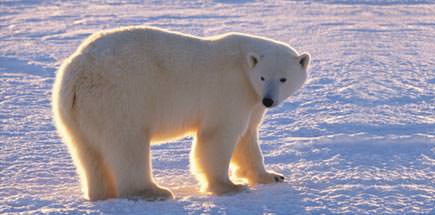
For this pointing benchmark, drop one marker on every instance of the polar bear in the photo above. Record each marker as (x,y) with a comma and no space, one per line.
(126,88)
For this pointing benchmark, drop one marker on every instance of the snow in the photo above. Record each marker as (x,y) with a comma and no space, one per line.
(358,139)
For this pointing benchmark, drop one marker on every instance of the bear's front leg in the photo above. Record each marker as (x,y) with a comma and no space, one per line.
(247,161)
(211,157)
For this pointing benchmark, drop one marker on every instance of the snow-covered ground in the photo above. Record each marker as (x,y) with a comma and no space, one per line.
(358,139)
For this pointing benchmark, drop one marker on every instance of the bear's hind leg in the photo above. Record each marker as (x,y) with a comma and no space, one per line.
(94,176)
(129,161)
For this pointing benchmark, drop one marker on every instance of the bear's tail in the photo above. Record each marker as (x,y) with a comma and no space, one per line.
(64,96)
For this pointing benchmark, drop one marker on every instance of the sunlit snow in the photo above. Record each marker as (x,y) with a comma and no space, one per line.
(359,138)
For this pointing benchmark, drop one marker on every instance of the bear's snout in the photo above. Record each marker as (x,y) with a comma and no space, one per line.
(267,102)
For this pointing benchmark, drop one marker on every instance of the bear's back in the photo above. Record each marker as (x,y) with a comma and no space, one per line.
(141,47)
(139,37)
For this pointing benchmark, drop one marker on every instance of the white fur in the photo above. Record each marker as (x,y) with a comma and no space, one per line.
(126,88)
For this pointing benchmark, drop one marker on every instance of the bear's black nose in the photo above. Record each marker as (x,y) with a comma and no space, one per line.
(267,102)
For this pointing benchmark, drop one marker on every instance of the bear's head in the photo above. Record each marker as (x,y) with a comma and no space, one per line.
(275,75)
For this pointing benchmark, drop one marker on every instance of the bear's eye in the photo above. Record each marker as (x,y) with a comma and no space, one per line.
(283,80)
(262,78)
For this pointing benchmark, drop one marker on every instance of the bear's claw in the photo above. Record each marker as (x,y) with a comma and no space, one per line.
(266,178)
(279,178)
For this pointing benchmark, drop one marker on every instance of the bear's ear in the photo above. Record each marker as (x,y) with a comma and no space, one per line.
(304,60)
(252,59)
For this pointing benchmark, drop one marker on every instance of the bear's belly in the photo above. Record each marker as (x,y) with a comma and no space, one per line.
(166,133)
(173,120)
